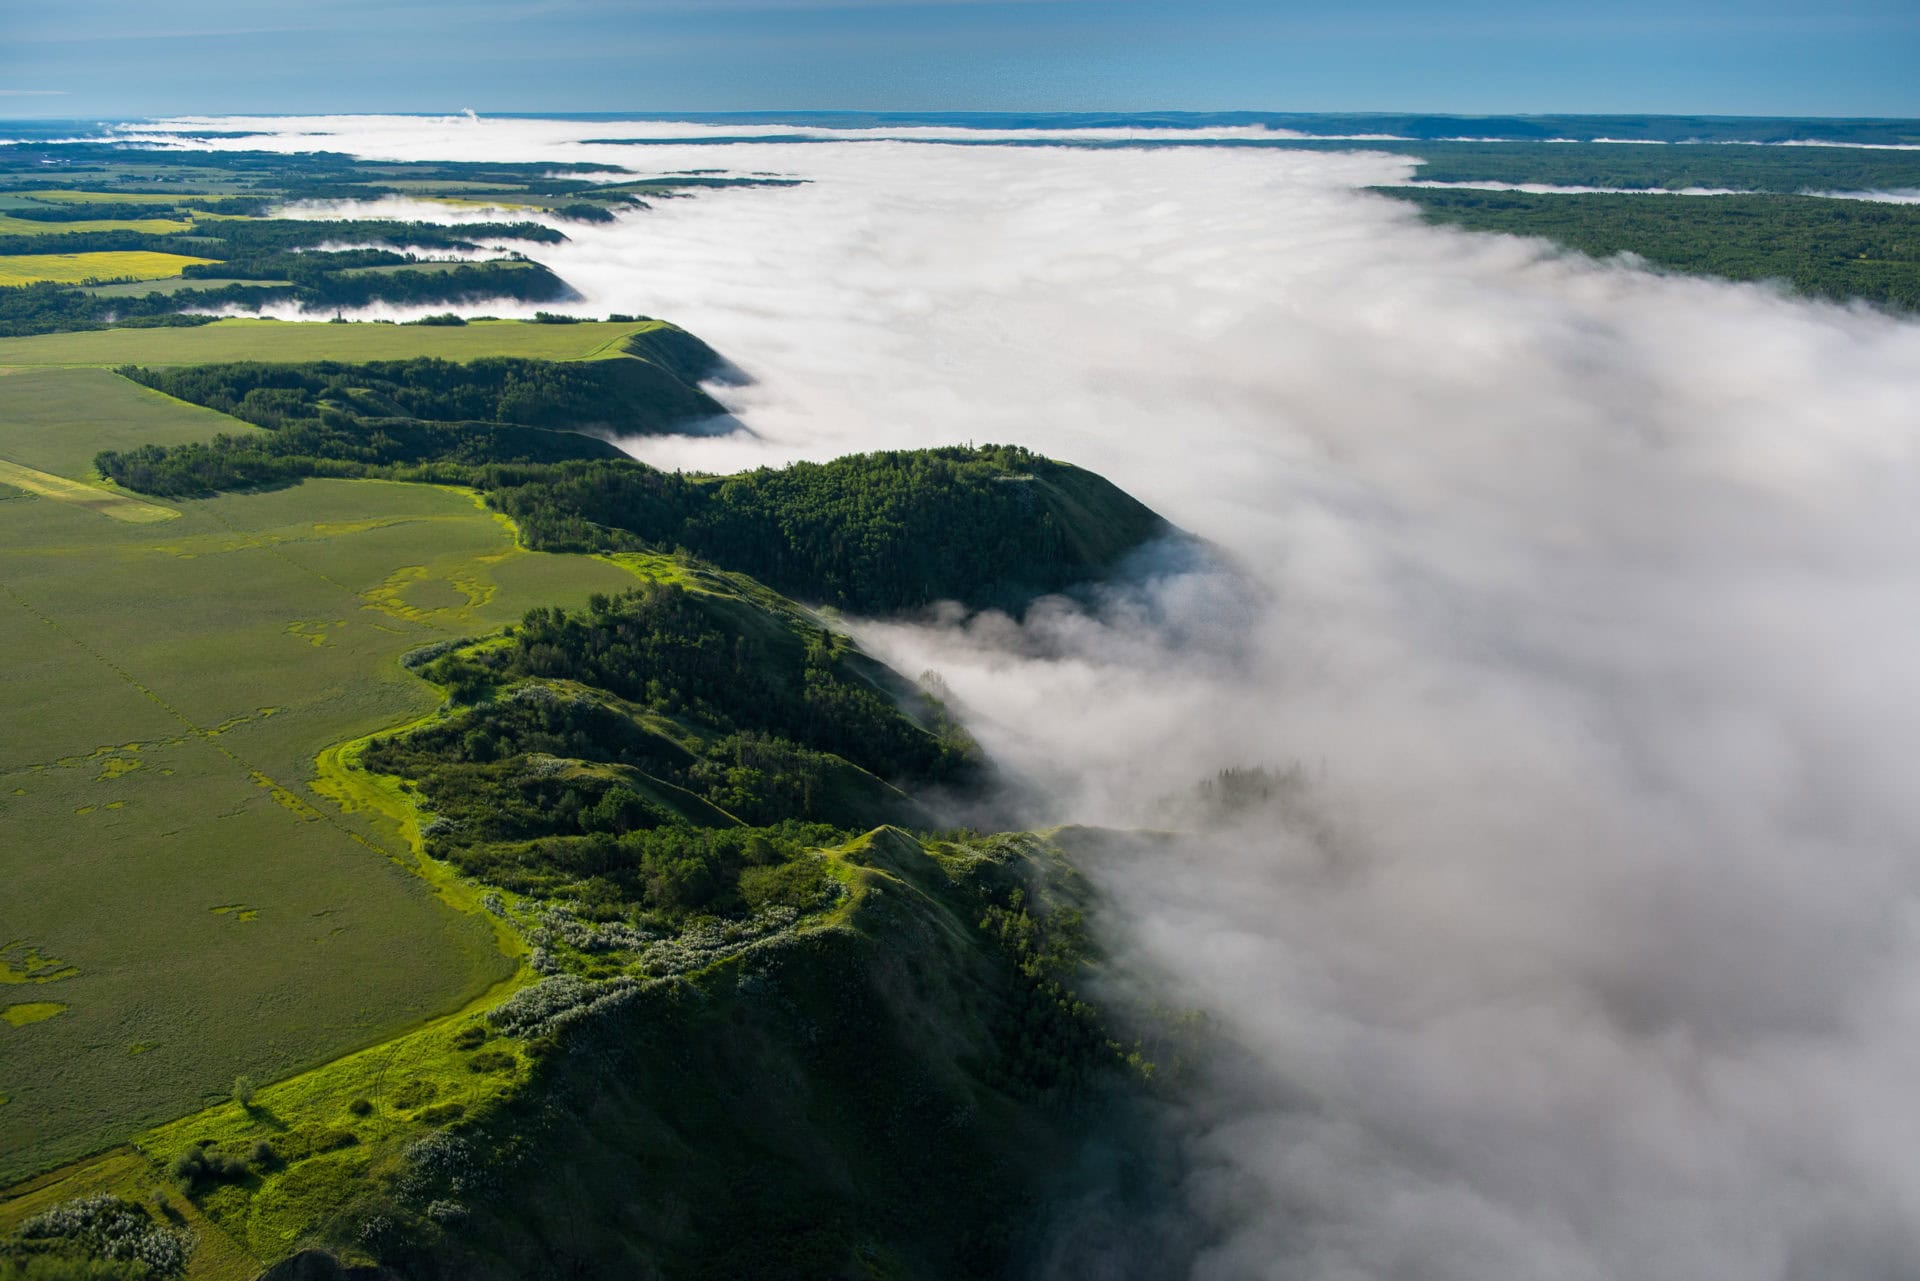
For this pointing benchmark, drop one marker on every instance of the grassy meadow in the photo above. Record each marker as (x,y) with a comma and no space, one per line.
(182,904)
(294,341)
(56,420)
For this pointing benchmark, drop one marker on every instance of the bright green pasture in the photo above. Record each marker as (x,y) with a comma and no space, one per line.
(56,420)
(286,340)
(195,907)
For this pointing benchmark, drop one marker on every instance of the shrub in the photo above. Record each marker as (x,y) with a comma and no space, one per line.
(360,1107)
(243,1089)
(106,1227)
(200,1165)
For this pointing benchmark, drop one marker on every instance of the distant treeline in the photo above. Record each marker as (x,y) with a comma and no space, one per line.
(1654,166)
(38,162)
(185,207)
(1841,250)
(628,397)
(241,238)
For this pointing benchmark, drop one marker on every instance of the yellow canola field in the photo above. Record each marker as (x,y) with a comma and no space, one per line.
(73,269)
(11,226)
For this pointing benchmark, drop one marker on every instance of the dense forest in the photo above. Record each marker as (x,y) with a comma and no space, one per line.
(1656,166)
(630,397)
(1831,249)
(688,718)
(655,779)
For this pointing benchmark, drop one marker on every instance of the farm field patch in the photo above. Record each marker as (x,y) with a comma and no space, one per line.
(97,498)
(32,227)
(26,269)
(182,678)
(293,341)
(56,420)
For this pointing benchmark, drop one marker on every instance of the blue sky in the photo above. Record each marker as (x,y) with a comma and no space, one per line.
(97,58)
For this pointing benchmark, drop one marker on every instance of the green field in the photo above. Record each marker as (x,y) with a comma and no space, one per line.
(25,269)
(282,340)
(56,420)
(197,909)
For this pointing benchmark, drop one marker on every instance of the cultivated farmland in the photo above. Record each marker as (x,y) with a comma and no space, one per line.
(181,903)
(294,341)
(28,227)
(25,269)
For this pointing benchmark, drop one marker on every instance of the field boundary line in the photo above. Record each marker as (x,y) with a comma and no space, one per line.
(95,498)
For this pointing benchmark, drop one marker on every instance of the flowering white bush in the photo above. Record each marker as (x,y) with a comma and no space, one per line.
(107,1227)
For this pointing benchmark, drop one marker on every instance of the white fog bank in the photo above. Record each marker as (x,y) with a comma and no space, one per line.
(1586,598)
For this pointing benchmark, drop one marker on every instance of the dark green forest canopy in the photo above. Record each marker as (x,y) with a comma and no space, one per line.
(654,778)
(1733,166)
(1839,250)
(678,711)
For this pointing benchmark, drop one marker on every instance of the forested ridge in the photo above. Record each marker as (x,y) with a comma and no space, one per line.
(723,713)
(1831,249)
(666,784)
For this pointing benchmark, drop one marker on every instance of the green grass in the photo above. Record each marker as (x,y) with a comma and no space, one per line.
(139,264)
(292,341)
(181,679)
(56,420)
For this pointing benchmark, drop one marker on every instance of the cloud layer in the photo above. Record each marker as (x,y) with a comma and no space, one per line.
(1583,597)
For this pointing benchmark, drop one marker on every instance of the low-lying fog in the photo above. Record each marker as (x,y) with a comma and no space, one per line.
(1585,600)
